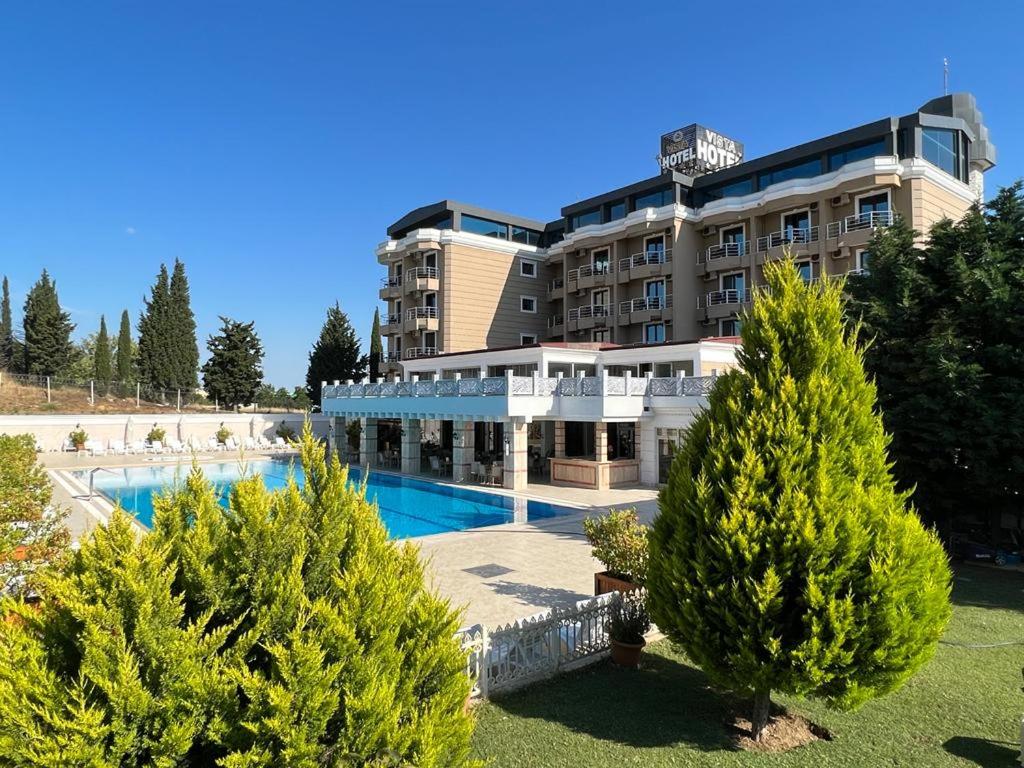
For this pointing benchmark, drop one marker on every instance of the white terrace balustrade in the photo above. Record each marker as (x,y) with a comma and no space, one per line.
(790,236)
(390,282)
(727,296)
(416,313)
(589,270)
(414,352)
(658,256)
(723,250)
(421,273)
(645,304)
(591,310)
(860,221)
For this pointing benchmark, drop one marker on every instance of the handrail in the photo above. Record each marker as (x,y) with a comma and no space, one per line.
(725,296)
(645,258)
(788,236)
(416,273)
(393,318)
(590,270)
(591,310)
(722,250)
(414,313)
(391,281)
(860,221)
(414,352)
(645,304)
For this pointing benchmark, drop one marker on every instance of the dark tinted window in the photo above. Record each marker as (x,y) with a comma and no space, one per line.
(939,147)
(654,199)
(484,227)
(734,189)
(802,170)
(616,211)
(527,236)
(841,157)
(586,218)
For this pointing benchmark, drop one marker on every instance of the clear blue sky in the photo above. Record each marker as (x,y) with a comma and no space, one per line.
(269,145)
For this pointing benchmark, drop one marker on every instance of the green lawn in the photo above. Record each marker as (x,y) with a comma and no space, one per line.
(962,709)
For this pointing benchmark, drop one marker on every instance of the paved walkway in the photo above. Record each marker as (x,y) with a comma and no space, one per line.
(495,574)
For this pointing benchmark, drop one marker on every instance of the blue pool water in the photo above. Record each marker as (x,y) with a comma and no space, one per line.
(408,506)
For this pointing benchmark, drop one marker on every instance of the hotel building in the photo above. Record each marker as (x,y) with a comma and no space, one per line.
(640,281)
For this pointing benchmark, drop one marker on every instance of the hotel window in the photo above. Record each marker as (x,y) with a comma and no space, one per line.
(654,199)
(445,223)
(939,147)
(729,327)
(601,334)
(430,259)
(804,270)
(599,298)
(527,268)
(430,340)
(527,338)
(654,246)
(735,189)
(878,203)
(802,170)
(796,226)
(663,370)
(733,282)
(617,211)
(484,227)
(601,261)
(863,261)
(528,304)
(654,333)
(525,236)
(586,218)
(841,157)
(654,292)
(734,236)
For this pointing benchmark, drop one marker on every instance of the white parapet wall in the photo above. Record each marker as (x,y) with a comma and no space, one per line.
(51,431)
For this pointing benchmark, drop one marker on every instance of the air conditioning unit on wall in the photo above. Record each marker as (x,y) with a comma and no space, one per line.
(840,200)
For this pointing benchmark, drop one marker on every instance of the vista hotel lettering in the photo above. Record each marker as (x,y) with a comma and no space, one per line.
(697,150)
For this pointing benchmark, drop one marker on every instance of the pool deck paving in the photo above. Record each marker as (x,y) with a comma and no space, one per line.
(495,574)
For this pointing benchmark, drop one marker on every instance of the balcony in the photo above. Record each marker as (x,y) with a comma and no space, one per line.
(722,257)
(787,237)
(589,276)
(556,289)
(422,279)
(644,309)
(421,319)
(390,287)
(726,296)
(590,316)
(857,230)
(654,263)
(392,323)
(416,352)
(556,326)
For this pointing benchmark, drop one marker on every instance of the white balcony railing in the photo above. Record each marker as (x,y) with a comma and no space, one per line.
(726,296)
(414,352)
(591,310)
(419,313)
(590,270)
(556,320)
(391,281)
(860,221)
(421,273)
(393,318)
(723,250)
(656,256)
(789,236)
(645,304)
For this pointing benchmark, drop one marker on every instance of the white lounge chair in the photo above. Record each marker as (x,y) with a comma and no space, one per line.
(280,444)
(249,444)
(175,446)
(157,446)
(137,446)
(117,447)
(231,444)
(95,447)
(262,443)
(214,445)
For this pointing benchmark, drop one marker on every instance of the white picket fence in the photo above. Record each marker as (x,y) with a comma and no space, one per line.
(536,647)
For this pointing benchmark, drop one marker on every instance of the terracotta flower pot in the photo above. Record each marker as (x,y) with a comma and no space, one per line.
(627,655)
(604,583)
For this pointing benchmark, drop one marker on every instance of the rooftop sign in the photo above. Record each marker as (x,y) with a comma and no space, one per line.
(696,150)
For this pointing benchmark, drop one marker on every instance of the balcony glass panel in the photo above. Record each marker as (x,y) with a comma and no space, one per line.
(841,157)
(938,145)
(484,227)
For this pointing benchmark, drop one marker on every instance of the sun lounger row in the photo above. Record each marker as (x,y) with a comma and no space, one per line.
(172,446)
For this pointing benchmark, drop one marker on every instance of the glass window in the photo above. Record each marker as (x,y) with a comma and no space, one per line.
(734,189)
(654,333)
(734,235)
(601,261)
(729,327)
(653,199)
(841,157)
(554,236)
(484,227)
(599,297)
(863,261)
(621,440)
(939,147)
(797,221)
(655,292)
(733,282)
(601,334)
(586,218)
(525,236)
(527,338)
(527,304)
(802,170)
(873,203)
(654,245)
(527,268)
(804,269)
(617,211)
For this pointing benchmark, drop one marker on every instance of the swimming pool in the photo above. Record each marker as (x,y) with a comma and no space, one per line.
(408,506)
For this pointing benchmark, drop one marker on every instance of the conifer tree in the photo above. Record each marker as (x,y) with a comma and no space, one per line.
(335,355)
(181,331)
(154,366)
(102,365)
(6,329)
(48,348)
(286,629)
(783,557)
(234,371)
(125,358)
(376,347)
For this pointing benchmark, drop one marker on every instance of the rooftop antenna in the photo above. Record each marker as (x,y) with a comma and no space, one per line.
(945,77)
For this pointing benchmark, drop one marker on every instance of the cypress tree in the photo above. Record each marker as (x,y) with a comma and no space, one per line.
(6,329)
(783,558)
(154,346)
(125,358)
(233,373)
(335,355)
(102,368)
(181,332)
(286,629)
(376,347)
(48,348)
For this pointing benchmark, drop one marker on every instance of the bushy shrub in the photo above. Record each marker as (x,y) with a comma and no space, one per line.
(285,431)
(619,540)
(223,434)
(78,436)
(629,620)
(157,434)
(783,557)
(285,629)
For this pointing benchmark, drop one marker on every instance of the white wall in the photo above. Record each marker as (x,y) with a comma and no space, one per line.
(50,431)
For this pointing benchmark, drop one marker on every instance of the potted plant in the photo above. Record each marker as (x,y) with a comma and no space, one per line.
(223,434)
(619,540)
(627,625)
(156,434)
(286,432)
(78,436)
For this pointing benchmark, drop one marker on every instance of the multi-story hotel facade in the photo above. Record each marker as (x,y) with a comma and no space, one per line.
(667,261)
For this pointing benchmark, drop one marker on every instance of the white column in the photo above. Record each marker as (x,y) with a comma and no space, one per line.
(412,435)
(516,458)
(368,443)
(463,448)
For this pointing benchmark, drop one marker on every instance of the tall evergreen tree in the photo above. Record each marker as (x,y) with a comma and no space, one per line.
(6,329)
(125,358)
(945,321)
(48,347)
(154,356)
(103,370)
(234,371)
(783,557)
(181,331)
(376,347)
(335,355)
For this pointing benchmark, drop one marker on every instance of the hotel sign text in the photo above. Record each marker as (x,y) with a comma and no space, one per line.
(696,150)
